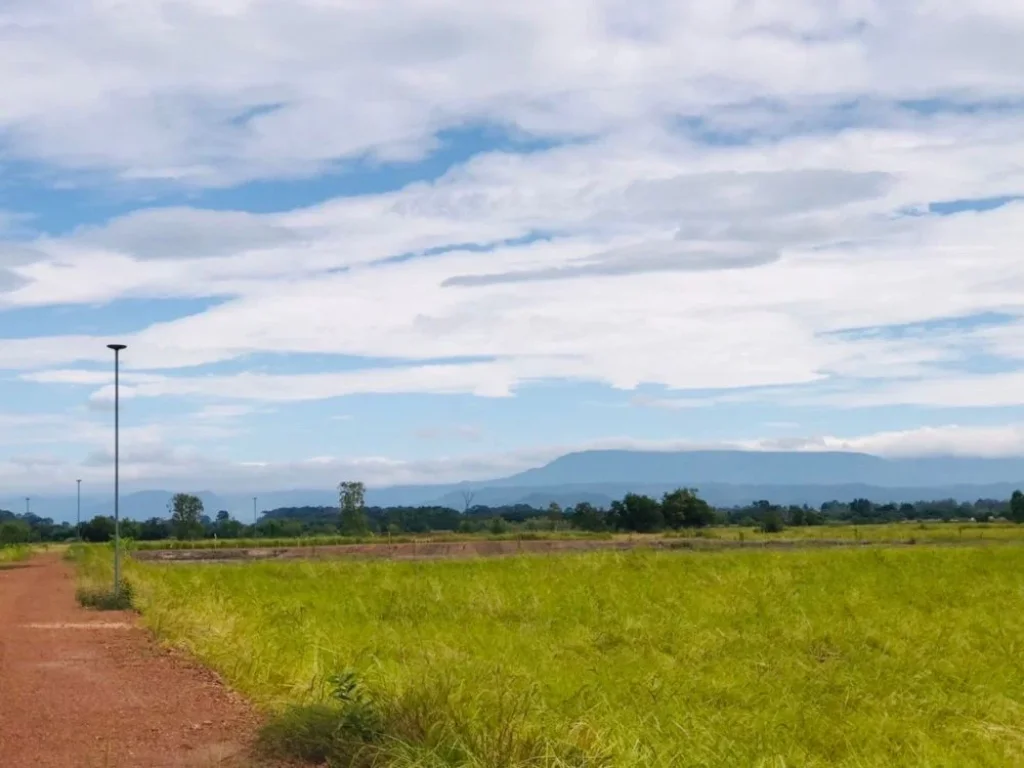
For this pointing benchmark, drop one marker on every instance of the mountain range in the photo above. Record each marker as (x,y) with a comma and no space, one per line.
(724,478)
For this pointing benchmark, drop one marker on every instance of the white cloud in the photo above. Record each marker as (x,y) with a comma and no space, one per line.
(970,391)
(681,328)
(947,440)
(153,463)
(206,92)
(665,260)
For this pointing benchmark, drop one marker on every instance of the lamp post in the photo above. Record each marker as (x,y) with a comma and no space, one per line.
(28,507)
(117,469)
(255,516)
(78,511)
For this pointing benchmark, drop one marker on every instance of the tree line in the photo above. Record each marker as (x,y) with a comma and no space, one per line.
(679,509)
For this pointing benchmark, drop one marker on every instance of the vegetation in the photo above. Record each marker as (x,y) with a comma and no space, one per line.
(353,509)
(841,658)
(13,553)
(95,579)
(1017,507)
(106,598)
(186,517)
(680,510)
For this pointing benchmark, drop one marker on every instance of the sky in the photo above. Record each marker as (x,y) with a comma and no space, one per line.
(435,240)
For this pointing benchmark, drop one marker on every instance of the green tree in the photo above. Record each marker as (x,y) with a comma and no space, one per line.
(862,510)
(771,520)
(351,497)
(14,532)
(99,529)
(186,514)
(130,529)
(638,513)
(683,508)
(155,529)
(586,517)
(1017,507)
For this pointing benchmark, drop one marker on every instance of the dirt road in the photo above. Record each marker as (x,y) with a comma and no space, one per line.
(82,689)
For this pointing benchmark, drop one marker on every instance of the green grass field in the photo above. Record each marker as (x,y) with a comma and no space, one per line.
(853,657)
(922,532)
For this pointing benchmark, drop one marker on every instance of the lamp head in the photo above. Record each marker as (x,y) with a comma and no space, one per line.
(117,347)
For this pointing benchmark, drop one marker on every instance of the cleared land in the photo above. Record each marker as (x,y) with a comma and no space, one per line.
(454,546)
(848,657)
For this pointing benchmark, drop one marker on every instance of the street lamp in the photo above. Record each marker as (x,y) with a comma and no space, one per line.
(28,507)
(78,513)
(255,516)
(117,469)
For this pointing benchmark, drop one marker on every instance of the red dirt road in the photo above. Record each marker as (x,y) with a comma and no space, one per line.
(84,689)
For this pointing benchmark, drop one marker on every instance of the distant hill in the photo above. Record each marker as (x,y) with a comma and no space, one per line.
(725,478)
(728,478)
(766,468)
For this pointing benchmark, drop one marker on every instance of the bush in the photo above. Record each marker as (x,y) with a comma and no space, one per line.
(772,522)
(348,732)
(105,599)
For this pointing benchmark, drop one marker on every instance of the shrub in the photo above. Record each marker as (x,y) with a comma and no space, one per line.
(346,733)
(772,522)
(105,599)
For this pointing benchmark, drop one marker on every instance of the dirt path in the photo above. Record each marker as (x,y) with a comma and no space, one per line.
(82,689)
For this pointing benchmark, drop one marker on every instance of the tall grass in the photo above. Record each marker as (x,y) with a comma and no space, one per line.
(95,577)
(904,532)
(14,553)
(812,658)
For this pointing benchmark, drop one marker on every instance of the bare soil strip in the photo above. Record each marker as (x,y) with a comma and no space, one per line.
(80,689)
(426,550)
(437,550)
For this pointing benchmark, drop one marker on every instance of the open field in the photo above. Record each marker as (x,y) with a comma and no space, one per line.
(850,657)
(906,532)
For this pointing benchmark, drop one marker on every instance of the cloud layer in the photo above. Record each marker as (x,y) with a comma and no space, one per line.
(711,200)
(206,92)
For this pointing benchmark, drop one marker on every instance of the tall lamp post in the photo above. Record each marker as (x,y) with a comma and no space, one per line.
(117,468)
(28,507)
(78,511)
(255,516)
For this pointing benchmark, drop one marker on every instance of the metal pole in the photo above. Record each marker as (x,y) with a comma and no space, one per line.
(78,514)
(117,468)
(255,516)
(28,508)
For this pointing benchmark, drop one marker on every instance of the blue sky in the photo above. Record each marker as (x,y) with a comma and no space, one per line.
(454,240)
